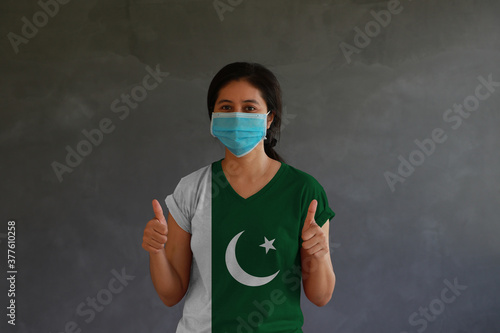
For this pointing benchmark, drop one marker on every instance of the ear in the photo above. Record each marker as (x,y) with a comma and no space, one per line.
(270,118)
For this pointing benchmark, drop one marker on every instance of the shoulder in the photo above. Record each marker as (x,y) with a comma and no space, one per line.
(199,173)
(301,177)
(191,187)
(196,178)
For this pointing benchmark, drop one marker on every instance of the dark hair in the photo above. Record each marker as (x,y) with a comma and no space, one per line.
(261,78)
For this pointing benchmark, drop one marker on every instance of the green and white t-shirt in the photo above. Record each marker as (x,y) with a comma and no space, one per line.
(245,274)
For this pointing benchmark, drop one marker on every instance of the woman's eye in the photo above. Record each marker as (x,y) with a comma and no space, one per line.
(225,107)
(250,108)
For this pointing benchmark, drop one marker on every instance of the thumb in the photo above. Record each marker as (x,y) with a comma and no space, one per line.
(158,212)
(310,214)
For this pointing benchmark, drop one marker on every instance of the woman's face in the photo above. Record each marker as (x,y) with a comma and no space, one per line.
(240,96)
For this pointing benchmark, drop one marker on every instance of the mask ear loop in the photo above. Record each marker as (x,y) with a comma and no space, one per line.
(267,114)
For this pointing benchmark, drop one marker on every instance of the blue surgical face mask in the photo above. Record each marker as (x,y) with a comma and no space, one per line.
(240,132)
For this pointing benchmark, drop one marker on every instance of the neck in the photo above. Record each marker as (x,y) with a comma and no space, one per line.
(251,166)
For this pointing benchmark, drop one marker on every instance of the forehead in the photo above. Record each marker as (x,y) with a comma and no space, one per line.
(239,90)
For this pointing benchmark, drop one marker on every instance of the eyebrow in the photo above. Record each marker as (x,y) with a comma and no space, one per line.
(245,101)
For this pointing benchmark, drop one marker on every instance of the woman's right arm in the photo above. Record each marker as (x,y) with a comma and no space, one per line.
(169,261)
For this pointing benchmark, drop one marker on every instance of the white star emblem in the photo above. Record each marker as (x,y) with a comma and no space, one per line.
(268,244)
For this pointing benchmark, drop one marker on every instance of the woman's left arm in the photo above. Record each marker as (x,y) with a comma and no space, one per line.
(317,270)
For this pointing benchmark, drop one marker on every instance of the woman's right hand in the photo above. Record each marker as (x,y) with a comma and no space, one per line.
(155,233)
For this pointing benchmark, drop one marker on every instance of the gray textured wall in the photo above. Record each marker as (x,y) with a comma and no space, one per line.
(411,222)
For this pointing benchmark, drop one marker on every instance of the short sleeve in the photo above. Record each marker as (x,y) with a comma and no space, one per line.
(180,204)
(314,190)
(191,191)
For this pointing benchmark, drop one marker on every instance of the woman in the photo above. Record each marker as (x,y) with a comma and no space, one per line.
(242,232)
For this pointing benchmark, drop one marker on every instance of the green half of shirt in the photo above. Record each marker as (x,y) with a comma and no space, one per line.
(254,249)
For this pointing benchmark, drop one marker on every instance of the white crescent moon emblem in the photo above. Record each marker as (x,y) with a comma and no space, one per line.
(237,272)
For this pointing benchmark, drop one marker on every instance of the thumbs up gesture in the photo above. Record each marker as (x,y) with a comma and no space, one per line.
(155,233)
(314,239)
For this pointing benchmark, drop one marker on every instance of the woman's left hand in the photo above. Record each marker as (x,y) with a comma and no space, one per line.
(315,242)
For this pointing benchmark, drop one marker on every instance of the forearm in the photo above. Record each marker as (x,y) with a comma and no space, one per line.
(318,279)
(166,280)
